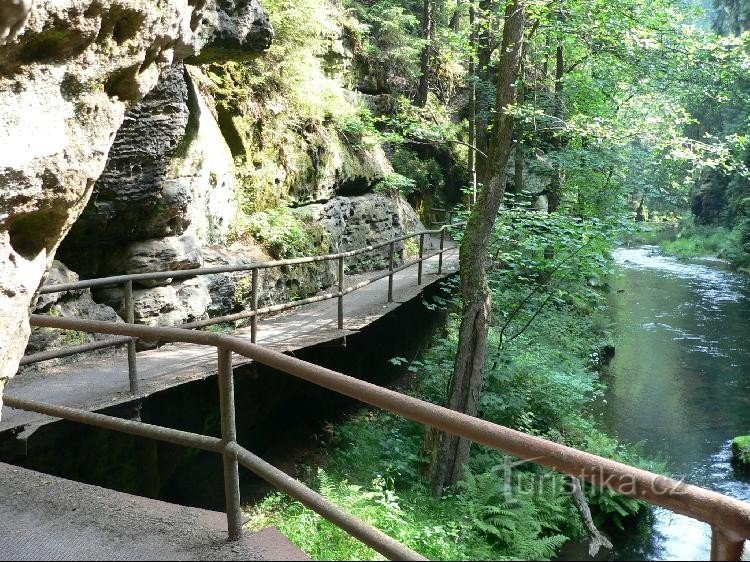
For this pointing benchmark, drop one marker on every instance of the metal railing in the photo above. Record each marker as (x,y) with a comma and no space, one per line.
(728,517)
(448,215)
(126,281)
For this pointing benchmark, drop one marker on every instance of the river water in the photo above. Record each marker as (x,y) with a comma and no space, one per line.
(679,382)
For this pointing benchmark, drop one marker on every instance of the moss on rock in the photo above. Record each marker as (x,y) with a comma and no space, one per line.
(741,450)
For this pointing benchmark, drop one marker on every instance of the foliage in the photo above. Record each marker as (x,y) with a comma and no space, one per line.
(389,42)
(425,174)
(542,381)
(396,183)
(696,241)
(741,449)
(357,128)
(282,233)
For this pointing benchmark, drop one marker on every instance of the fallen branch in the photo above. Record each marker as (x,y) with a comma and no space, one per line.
(597,539)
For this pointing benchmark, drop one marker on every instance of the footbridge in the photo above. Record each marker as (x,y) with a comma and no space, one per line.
(194,350)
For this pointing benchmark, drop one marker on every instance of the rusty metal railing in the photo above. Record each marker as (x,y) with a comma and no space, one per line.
(126,281)
(729,518)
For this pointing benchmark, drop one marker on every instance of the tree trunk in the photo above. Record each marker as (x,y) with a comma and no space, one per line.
(456,18)
(468,374)
(485,48)
(520,160)
(428,30)
(556,185)
(472,100)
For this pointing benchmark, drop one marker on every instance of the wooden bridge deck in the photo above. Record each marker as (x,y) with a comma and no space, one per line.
(100,381)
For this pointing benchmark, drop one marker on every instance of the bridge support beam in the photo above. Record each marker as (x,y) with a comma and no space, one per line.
(391,259)
(421,259)
(254,319)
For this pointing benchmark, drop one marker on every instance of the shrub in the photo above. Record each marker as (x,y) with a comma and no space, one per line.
(282,233)
(395,183)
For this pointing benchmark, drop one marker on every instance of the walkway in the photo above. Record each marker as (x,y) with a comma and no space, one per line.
(47,518)
(101,381)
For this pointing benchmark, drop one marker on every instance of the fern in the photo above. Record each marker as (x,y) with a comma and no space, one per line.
(526,525)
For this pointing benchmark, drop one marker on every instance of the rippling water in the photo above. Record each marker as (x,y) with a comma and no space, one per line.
(680,381)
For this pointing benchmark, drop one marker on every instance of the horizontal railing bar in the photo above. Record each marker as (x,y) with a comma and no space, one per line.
(84,348)
(698,503)
(183,273)
(293,304)
(369,535)
(250,313)
(72,350)
(372,537)
(130,427)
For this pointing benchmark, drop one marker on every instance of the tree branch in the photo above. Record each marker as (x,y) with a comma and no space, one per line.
(597,538)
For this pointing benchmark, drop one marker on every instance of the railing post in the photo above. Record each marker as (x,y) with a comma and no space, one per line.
(254,319)
(391,259)
(341,292)
(228,436)
(450,218)
(130,319)
(421,257)
(724,546)
(442,248)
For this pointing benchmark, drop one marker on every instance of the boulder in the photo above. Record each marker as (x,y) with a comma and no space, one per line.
(69,304)
(176,253)
(58,274)
(231,292)
(68,75)
(170,305)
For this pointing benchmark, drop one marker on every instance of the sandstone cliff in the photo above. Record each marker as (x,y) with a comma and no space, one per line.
(68,75)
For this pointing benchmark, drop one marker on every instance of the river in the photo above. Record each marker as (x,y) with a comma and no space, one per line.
(679,382)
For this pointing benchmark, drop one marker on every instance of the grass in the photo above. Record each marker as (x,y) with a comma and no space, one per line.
(697,241)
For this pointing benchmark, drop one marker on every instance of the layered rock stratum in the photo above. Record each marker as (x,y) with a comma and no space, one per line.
(69,72)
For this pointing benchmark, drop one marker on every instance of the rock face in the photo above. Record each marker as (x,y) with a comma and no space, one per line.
(356,222)
(66,82)
(129,200)
(169,172)
(69,304)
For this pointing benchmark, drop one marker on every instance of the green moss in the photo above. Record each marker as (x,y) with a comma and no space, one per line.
(741,450)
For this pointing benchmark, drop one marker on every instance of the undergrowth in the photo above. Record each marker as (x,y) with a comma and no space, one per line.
(543,383)
(696,241)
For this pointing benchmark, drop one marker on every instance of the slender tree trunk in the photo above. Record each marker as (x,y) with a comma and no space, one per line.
(468,375)
(547,47)
(484,56)
(456,18)
(473,100)
(520,154)
(555,191)
(428,30)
